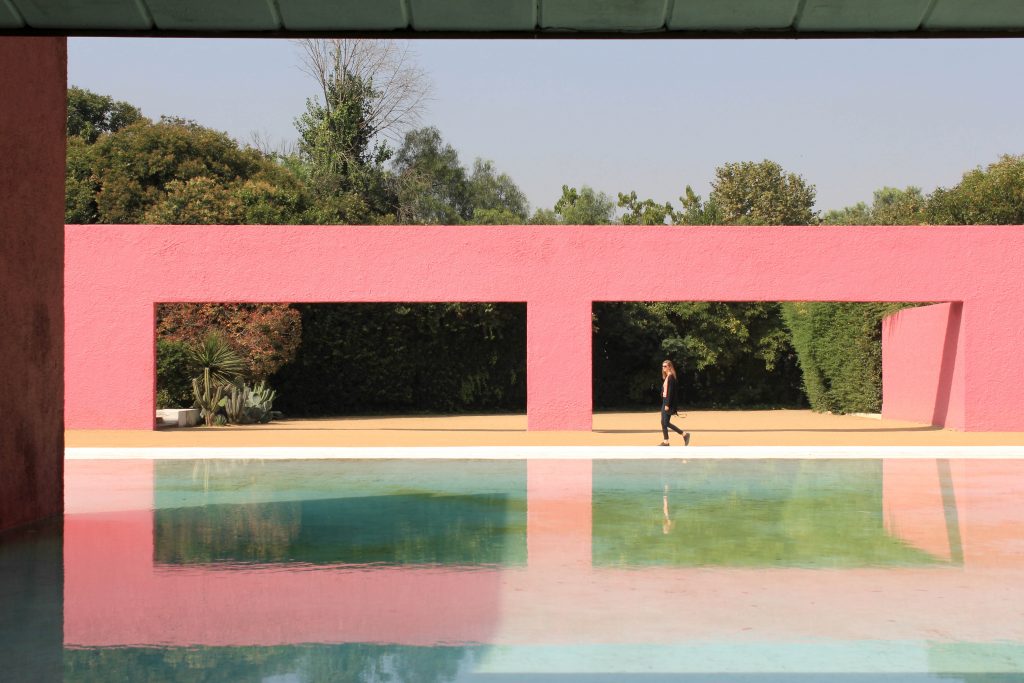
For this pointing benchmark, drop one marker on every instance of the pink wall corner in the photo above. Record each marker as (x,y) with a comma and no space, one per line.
(33,83)
(923,365)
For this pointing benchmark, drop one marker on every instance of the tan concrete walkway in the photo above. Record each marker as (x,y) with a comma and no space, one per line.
(709,428)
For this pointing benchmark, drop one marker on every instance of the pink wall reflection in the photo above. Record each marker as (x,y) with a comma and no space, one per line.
(116,595)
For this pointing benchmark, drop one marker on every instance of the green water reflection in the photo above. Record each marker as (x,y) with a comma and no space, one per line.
(341,512)
(743,513)
(350,662)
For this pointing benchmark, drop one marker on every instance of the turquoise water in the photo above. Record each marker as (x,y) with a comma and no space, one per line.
(456,571)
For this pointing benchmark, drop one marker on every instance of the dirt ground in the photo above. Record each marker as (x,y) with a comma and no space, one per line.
(709,428)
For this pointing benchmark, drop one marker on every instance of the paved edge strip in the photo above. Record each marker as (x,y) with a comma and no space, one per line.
(547,453)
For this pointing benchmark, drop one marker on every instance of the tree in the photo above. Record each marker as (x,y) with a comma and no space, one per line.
(433,187)
(762,193)
(645,212)
(990,196)
(90,115)
(728,353)
(696,211)
(578,207)
(367,94)
(134,167)
(392,90)
(495,198)
(79,185)
(890,206)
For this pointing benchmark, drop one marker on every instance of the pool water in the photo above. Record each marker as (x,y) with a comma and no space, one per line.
(288,571)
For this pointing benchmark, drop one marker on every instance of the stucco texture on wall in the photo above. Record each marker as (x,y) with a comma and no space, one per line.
(32,113)
(923,365)
(115,275)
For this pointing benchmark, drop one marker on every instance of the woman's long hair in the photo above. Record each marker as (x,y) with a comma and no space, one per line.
(670,370)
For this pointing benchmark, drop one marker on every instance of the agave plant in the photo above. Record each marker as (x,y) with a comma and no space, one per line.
(216,358)
(260,400)
(221,367)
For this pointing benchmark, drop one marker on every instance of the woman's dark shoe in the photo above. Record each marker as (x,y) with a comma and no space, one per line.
(663,443)
(686,438)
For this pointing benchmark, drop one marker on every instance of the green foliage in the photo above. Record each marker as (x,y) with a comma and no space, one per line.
(345,162)
(696,211)
(891,206)
(762,193)
(840,353)
(433,187)
(215,357)
(137,167)
(990,196)
(173,172)
(495,198)
(90,114)
(196,201)
(645,212)
(220,367)
(380,358)
(578,207)
(726,354)
(174,373)
(80,187)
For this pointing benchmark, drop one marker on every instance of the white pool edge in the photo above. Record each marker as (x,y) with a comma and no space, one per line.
(547,452)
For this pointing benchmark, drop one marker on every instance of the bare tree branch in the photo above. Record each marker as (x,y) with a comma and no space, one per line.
(401,89)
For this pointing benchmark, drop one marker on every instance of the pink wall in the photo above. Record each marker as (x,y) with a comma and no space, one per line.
(116,273)
(923,368)
(32,113)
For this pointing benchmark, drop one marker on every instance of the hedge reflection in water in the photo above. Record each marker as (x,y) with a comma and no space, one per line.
(342,512)
(743,513)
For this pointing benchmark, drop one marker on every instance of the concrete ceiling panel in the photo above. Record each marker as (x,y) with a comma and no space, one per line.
(214,15)
(353,15)
(862,15)
(473,15)
(977,14)
(8,17)
(732,15)
(96,14)
(603,15)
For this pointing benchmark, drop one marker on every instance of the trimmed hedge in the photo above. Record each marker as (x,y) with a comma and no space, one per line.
(174,375)
(839,346)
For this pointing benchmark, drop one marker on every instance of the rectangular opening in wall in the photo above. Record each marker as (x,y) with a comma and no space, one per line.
(741,355)
(323,360)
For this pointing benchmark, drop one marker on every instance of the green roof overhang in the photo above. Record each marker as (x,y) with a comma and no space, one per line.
(516,18)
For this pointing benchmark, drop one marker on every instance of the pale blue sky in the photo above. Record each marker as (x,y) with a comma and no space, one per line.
(647,115)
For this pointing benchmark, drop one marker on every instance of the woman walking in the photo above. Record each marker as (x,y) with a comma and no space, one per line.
(669,405)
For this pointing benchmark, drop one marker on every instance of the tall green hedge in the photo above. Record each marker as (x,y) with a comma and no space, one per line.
(174,373)
(408,358)
(839,346)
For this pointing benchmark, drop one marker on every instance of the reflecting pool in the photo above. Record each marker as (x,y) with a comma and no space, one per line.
(288,571)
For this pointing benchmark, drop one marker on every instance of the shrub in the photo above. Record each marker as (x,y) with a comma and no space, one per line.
(174,373)
(839,347)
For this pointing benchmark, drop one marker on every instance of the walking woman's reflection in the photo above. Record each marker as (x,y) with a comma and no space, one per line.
(667,523)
